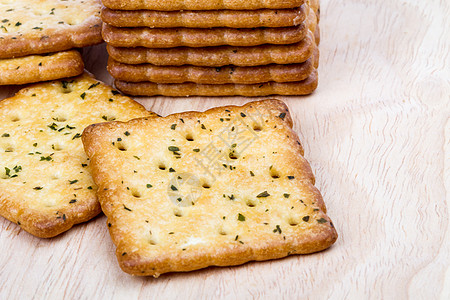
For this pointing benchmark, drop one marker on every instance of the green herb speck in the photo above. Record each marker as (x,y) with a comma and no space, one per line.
(263,195)
(78,135)
(277,229)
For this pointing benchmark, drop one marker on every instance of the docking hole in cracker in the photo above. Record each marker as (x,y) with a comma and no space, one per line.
(215,188)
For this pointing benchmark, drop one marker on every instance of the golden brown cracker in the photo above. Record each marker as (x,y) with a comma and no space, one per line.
(195,37)
(195,189)
(303,87)
(200,5)
(206,19)
(211,75)
(45,181)
(217,56)
(35,68)
(34,27)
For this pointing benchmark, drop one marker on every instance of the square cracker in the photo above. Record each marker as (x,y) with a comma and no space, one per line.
(45,181)
(196,189)
(36,26)
(35,68)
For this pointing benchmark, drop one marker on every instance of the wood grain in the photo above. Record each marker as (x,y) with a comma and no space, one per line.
(377,134)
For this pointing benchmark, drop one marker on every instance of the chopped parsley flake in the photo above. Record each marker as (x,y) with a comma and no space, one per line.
(93,85)
(263,195)
(321,221)
(241,217)
(78,135)
(53,126)
(277,229)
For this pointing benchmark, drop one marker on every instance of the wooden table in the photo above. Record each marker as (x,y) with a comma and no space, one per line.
(376,133)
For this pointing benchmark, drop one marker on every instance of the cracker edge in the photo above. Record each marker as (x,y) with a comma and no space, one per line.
(69,66)
(193,5)
(139,18)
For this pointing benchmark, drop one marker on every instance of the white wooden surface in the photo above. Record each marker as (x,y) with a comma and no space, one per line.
(377,135)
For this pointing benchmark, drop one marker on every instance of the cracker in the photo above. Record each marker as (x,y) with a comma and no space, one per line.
(303,87)
(205,19)
(200,5)
(217,56)
(34,27)
(45,181)
(222,187)
(211,75)
(317,35)
(35,68)
(195,37)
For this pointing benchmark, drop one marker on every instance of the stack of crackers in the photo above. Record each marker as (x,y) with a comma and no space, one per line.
(212,48)
(37,38)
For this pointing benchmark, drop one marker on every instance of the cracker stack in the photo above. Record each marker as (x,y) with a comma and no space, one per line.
(37,38)
(212,48)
